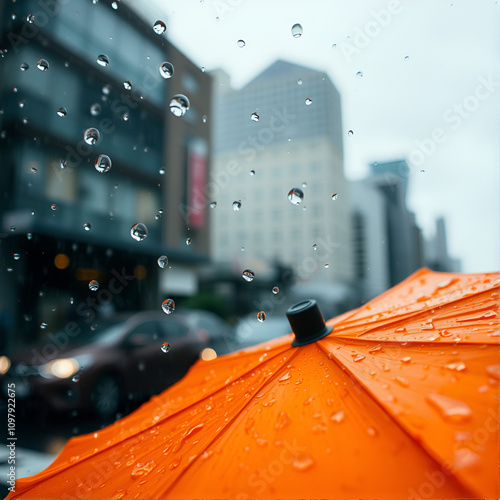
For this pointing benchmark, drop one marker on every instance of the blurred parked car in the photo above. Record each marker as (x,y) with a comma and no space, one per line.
(98,367)
(250,331)
(218,330)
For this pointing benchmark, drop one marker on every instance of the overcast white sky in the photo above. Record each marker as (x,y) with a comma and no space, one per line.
(452,49)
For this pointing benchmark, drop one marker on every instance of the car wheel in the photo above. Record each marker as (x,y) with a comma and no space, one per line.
(106,396)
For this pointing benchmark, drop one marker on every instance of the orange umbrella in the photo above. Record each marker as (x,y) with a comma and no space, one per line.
(400,400)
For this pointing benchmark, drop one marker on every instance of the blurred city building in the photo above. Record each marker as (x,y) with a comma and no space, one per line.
(283,130)
(388,244)
(63,223)
(436,251)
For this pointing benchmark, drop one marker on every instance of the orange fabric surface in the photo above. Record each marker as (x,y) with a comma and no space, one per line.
(399,401)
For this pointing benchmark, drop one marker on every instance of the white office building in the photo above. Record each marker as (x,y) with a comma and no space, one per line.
(294,142)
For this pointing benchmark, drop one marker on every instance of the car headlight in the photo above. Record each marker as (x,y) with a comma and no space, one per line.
(60,368)
(4,364)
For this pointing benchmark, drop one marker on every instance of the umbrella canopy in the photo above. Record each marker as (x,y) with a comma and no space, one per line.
(400,400)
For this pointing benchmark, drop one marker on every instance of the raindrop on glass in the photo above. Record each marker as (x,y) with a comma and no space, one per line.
(304,185)
(308,102)
(139,231)
(91,136)
(95,109)
(106,89)
(53,207)
(236,205)
(94,285)
(167,71)
(115,4)
(179,104)
(30,18)
(102,60)
(213,204)
(102,164)
(42,65)
(24,66)
(204,119)
(165,346)
(254,117)
(76,377)
(29,236)
(241,43)
(87,226)
(17,256)
(350,133)
(359,74)
(127,85)
(276,290)
(327,266)
(34,170)
(125,117)
(62,112)
(168,306)
(248,275)
(297,30)
(161,171)
(162,261)
(159,27)
(63,163)
(252,172)
(261,316)
(407,57)
(43,325)
(335,196)
(295,196)
(299,82)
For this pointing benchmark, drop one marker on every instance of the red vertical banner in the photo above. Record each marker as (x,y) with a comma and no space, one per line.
(197,174)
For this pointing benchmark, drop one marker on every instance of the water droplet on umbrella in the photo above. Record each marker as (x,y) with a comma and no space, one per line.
(493,371)
(102,60)
(406,359)
(295,196)
(87,226)
(213,204)
(337,417)
(359,74)
(241,43)
(276,290)
(167,71)
(449,409)
(285,377)
(302,462)
(30,18)
(168,306)
(254,117)
(94,285)
(179,105)
(297,30)
(53,207)
(459,366)
(42,64)
(308,101)
(91,136)
(334,196)
(165,346)
(24,66)
(139,231)
(159,27)
(261,316)
(102,163)
(62,112)
(248,275)
(350,133)
(236,205)
(189,241)
(358,357)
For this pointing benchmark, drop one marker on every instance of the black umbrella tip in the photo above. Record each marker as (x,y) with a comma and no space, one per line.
(307,323)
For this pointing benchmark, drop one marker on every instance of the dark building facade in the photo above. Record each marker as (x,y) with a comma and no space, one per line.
(63,222)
